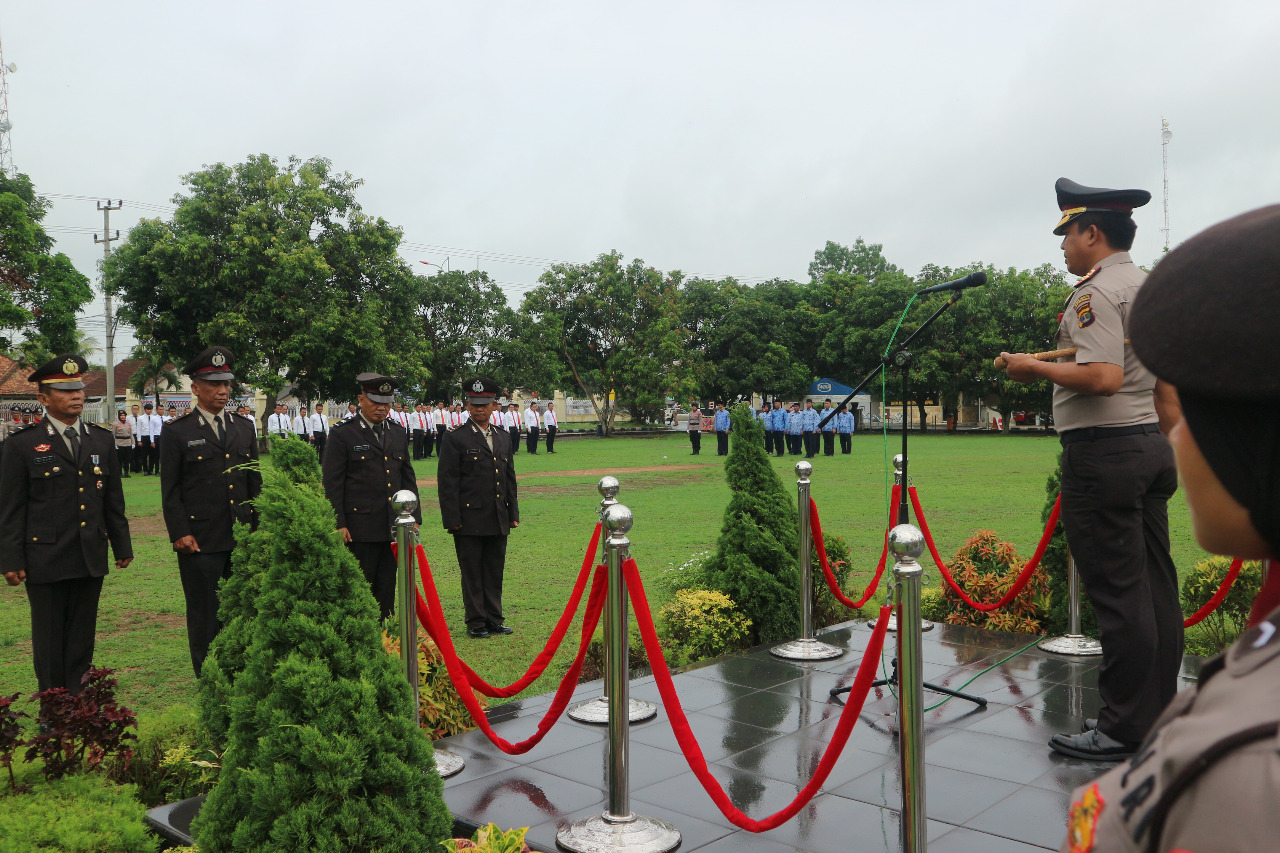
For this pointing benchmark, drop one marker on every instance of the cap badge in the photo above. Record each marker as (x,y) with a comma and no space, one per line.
(218,359)
(477,386)
(69,368)
(385,388)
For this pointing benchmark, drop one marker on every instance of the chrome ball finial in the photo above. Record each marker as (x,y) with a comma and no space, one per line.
(897,463)
(404,501)
(804,469)
(618,519)
(608,487)
(907,541)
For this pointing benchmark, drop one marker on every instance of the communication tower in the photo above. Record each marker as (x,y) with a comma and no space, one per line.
(1165,135)
(6,148)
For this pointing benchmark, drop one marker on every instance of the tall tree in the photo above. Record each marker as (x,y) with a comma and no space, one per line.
(279,263)
(616,326)
(40,291)
(459,318)
(862,259)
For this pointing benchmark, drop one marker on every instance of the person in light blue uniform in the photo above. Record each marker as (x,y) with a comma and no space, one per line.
(844,426)
(777,426)
(722,430)
(762,415)
(795,429)
(809,429)
(828,429)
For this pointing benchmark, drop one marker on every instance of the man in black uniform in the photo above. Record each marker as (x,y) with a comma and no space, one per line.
(1117,472)
(60,504)
(207,476)
(478,507)
(365,463)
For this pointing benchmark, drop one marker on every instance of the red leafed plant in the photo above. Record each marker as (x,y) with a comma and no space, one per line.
(986,568)
(83,730)
(11,738)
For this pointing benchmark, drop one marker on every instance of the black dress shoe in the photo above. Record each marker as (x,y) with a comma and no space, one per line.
(1092,745)
(478,633)
(499,629)
(1089,724)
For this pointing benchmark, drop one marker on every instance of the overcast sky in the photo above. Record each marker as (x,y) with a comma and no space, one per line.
(718,138)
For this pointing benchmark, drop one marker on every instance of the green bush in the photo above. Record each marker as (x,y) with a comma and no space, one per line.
(173,759)
(933,605)
(323,749)
(83,813)
(986,568)
(490,839)
(440,709)
(701,624)
(754,562)
(827,609)
(1221,627)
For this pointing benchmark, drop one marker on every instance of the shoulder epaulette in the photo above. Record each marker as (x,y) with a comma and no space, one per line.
(1088,276)
(343,423)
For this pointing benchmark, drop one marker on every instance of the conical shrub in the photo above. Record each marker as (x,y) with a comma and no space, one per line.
(323,748)
(755,558)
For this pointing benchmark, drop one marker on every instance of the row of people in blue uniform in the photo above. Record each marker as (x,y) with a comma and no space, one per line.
(795,431)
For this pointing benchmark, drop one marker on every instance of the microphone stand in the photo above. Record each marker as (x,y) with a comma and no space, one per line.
(902,360)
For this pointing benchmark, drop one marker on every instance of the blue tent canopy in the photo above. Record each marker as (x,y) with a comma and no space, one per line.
(828,388)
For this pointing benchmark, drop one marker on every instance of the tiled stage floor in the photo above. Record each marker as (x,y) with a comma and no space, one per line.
(992,785)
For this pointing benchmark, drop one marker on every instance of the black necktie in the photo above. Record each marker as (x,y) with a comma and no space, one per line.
(74,438)
(217,427)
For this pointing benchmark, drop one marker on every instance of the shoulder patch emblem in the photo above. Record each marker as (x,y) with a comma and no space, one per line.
(41,448)
(1084,312)
(1082,822)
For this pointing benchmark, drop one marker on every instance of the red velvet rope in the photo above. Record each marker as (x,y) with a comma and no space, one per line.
(815,527)
(544,657)
(1023,577)
(1218,597)
(689,743)
(432,616)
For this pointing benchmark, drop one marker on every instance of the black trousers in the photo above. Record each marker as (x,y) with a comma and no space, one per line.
(810,444)
(768,441)
(514,432)
(124,458)
(317,441)
(419,444)
(481,560)
(64,620)
(722,443)
(379,567)
(200,575)
(779,442)
(531,442)
(846,443)
(440,431)
(793,444)
(828,444)
(551,439)
(146,450)
(1115,493)
(695,439)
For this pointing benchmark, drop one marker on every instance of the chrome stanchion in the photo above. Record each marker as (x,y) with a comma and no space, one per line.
(897,481)
(618,828)
(1073,643)
(907,543)
(805,648)
(597,710)
(404,502)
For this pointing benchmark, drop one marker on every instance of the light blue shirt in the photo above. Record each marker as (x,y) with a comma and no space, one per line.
(778,420)
(831,424)
(722,420)
(795,423)
(810,420)
(844,422)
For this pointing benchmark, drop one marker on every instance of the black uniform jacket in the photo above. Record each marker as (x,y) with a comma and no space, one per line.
(477,486)
(57,513)
(205,484)
(362,474)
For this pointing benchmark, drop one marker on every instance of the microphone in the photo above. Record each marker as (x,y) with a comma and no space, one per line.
(973,279)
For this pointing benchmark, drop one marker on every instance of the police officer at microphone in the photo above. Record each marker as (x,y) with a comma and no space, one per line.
(367,460)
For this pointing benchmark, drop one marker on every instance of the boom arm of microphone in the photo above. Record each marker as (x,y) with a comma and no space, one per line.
(973,279)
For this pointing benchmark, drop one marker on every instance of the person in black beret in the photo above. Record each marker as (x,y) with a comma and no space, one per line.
(1208,775)
(61,503)
(208,480)
(366,461)
(476,483)
(1117,472)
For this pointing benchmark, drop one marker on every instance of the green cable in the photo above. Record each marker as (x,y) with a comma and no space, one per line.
(984,672)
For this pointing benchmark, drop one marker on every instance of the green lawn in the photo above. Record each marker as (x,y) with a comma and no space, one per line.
(965,483)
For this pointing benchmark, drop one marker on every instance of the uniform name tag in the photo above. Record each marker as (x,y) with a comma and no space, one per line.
(199,442)
(45,460)
(360,448)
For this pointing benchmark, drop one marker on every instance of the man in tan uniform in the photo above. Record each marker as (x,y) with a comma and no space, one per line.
(1208,776)
(1117,473)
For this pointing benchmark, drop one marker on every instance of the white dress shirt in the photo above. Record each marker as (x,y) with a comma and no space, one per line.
(157,424)
(549,417)
(277,423)
(531,419)
(300,425)
(319,423)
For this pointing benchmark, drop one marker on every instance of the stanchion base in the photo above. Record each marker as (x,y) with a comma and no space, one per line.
(600,834)
(805,650)
(1072,644)
(448,763)
(925,625)
(597,711)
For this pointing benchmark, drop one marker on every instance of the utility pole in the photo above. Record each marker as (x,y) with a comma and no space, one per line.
(109,410)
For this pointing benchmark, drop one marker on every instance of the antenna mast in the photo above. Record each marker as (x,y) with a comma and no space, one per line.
(6,148)
(1165,135)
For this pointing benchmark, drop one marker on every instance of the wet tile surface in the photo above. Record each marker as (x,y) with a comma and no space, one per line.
(763,724)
